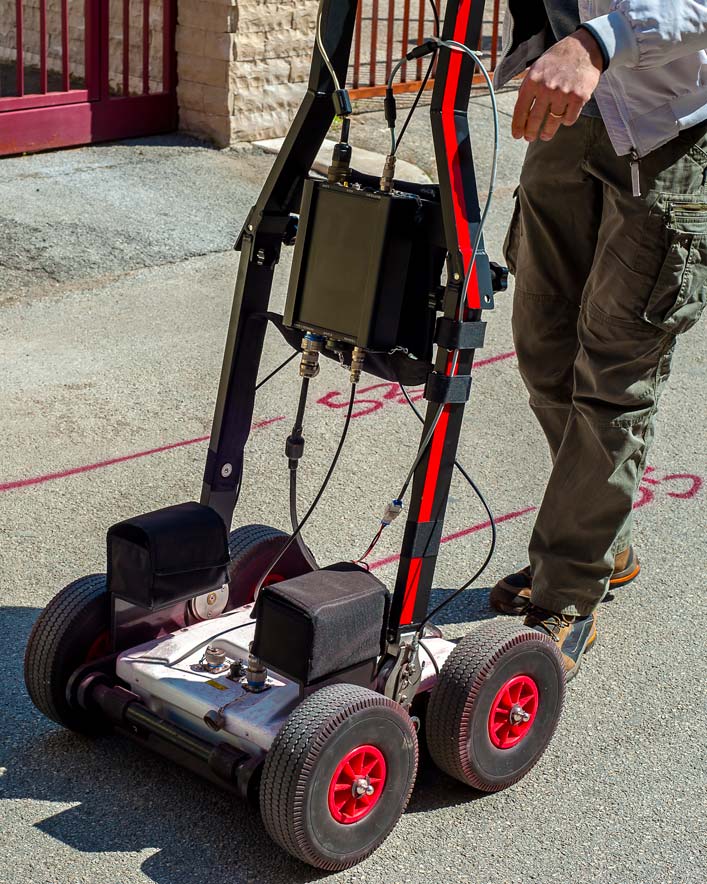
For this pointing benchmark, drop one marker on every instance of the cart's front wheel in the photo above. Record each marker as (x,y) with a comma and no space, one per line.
(495,706)
(338,776)
(72,630)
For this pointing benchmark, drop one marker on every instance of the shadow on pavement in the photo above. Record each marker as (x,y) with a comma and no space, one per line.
(470,606)
(123,800)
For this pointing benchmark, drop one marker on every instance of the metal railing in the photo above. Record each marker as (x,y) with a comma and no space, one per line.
(387,29)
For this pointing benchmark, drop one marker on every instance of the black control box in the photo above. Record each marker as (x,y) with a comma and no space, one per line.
(364,265)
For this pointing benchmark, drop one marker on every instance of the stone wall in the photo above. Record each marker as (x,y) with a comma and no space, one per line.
(242,66)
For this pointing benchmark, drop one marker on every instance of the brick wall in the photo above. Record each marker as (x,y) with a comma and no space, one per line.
(242,66)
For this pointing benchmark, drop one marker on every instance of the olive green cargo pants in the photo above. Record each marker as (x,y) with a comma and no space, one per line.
(605,281)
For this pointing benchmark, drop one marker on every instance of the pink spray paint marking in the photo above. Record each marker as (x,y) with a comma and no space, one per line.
(370,399)
(86,468)
(463,533)
(686,486)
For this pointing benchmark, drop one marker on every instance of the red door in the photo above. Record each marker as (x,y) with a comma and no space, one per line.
(78,71)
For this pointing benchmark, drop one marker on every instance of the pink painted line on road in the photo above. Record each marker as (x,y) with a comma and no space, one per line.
(86,468)
(463,533)
(478,363)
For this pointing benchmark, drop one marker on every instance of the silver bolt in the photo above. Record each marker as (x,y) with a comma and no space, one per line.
(361,786)
(518,715)
(226,470)
(457,277)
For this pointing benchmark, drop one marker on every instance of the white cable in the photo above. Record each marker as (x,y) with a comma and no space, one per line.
(322,51)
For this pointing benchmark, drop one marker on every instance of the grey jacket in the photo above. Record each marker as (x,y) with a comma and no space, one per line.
(656,81)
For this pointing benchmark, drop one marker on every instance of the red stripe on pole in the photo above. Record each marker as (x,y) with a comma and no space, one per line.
(65,85)
(20,59)
(464,237)
(43,47)
(146,47)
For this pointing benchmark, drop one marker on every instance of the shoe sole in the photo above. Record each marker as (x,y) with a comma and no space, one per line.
(624,579)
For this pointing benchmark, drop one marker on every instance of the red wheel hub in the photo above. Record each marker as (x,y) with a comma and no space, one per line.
(513,712)
(99,648)
(357,784)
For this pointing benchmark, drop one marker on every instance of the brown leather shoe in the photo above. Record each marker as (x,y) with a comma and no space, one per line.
(574,635)
(511,595)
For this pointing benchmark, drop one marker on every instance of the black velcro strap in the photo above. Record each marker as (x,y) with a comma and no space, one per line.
(442,389)
(422,539)
(454,335)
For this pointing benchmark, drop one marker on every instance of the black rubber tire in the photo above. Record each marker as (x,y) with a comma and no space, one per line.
(303,758)
(252,548)
(460,704)
(60,641)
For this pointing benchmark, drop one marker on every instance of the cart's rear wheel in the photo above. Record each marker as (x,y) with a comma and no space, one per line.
(495,706)
(73,629)
(252,549)
(338,776)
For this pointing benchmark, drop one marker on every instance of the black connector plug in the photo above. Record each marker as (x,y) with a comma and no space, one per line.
(342,103)
(426,48)
(390,108)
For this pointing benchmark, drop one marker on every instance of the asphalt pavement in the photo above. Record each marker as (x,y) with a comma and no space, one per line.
(116,277)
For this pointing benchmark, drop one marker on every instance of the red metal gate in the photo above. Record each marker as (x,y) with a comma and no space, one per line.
(388,29)
(79,71)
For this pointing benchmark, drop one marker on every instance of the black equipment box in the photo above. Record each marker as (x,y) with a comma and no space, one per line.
(168,556)
(363,268)
(310,627)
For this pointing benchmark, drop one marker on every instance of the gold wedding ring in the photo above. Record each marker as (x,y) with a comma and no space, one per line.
(557,116)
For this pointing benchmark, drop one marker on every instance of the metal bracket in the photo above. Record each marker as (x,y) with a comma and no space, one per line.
(404,678)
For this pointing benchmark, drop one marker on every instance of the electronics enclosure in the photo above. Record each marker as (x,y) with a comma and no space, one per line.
(364,265)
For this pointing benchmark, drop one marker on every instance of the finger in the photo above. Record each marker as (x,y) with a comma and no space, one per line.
(553,120)
(550,127)
(574,109)
(524,102)
(536,117)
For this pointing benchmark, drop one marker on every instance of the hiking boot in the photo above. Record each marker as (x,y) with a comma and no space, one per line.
(573,635)
(512,594)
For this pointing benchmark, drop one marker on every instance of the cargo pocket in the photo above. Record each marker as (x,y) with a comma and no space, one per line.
(512,241)
(678,297)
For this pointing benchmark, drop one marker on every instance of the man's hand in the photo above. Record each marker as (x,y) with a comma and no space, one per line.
(557,87)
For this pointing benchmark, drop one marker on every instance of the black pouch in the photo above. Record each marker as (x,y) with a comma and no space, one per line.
(167,556)
(313,626)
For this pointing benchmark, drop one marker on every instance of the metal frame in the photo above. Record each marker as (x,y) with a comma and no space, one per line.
(260,243)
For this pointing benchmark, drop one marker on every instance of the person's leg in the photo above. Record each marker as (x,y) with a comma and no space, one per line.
(550,249)
(647,285)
